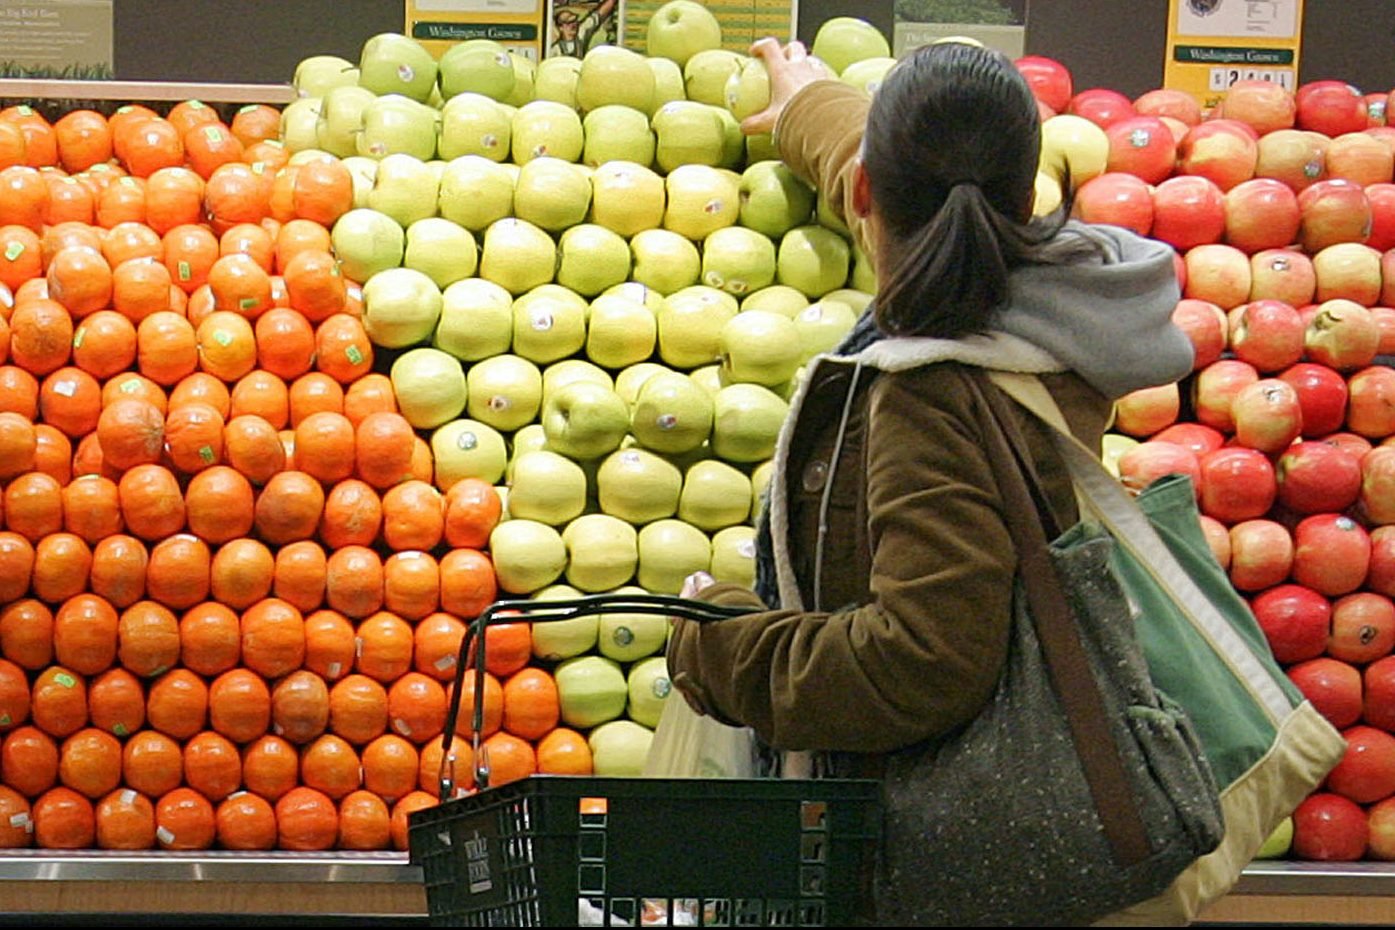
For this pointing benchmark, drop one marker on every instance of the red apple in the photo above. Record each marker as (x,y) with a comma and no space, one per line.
(1360,157)
(1197,437)
(1237,484)
(1378,693)
(1385,321)
(1188,211)
(1294,156)
(1349,270)
(1282,274)
(1118,199)
(1142,146)
(1371,401)
(1378,485)
(1217,273)
(1225,152)
(1318,476)
(1101,106)
(1214,389)
(1330,107)
(1329,828)
(1169,102)
(1387,272)
(1331,211)
(1380,822)
(1178,128)
(1331,553)
(1261,213)
(1342,335)
(1295,621)
(1382,200)
(1049,80)
(1044,112)
(1322,393)
(1268,334)
(1205,325)
(1356,445)
(1217,538)
(1151,459)
(1363,627)
(1333,686)
(1261,553)
(1262,105)
(1267,415)
(1366,773)
(1384,134)
(1380,575)
(1143,412)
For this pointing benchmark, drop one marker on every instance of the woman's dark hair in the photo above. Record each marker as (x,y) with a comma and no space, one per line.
(951,150)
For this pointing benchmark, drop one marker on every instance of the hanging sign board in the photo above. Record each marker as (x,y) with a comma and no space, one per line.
(998,24)
(64,39)
(1211,44)
(518,25)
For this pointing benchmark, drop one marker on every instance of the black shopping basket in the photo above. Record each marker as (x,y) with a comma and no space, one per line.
(567,850)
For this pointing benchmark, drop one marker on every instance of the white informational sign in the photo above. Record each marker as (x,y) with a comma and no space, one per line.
(65,39)
(1239,19)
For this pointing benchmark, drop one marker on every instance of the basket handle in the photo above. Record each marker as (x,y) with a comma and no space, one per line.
(536,611)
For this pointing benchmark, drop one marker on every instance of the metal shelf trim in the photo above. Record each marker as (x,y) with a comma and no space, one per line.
(38,88)
(213,865)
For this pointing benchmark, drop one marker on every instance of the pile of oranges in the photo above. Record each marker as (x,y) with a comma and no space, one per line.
(232,593)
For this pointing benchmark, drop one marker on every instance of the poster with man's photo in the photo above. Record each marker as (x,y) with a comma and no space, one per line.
(575,26)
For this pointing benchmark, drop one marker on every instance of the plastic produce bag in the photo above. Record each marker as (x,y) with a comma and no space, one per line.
(689,744)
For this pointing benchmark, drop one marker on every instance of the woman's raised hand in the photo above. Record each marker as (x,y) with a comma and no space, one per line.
(790,68)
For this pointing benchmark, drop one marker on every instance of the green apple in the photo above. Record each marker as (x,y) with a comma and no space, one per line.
(525,75)
(430,386)
(813,259)
(631,378)
(561,639)
(690,326)
(822,326)
(1112,448)
(700,199)
(476,320)
(591,259)
(473,124)
(649,687)
(680,29)
(527,438)
(591,690)
(602,552)
(627,197)
(631,637)
(746,421)
(362,171)
(669,551)
(867,75)
(613,74)
(316,75)
(706,73)
(619,748)
(527,554)
(688,132)
(780,298)
(1070,139)
(855,298)
(620,331)
(300,119)
(394,123)
(505,391)
(664,261)
(405,188)
(475,192)
(443,251)
(615,132)
(738,260)
(637,485)
(561,373)
(549,323)
(747,91)
(864,272)
(465,448)
(668,81)
(1279,841)
(760,480)
(480,66)
(341,118)
(709,378)
(546,127)
(548,487)
(585,420)
(556,80)
(774,199)
(760,347)
(843,40)
(733,143)
(734,555)
(551,193)
(636,290)
(761,146)
(715,495)
(671,414)
(393,63)
(367,242)
(517,255)
(401,307)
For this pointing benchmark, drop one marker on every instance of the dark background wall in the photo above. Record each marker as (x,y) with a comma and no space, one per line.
(1105,43)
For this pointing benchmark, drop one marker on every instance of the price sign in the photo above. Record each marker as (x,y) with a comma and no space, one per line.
(1211,44)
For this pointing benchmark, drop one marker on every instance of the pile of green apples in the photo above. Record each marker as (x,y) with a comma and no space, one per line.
(592,290)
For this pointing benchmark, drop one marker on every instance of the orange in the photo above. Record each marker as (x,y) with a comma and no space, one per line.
(29,760)
(564,751)
(41,335)
(390,766)
(369,393)
(14,695)
(354,582)
(383,453)
(104,343)
(343,349)
(411,584)
(23,197)
(461,770)
(151,503)
(69,200)
(436,645)
(285,343)
(330,643)
(89,762)
(167,347)
(289,507)
(131,433)
(252,447)
(358,708)
(122,201)
(417,706)
(250,239)
(239,705)
(508,647)
(239,284)
(509,758)
(273,637)
(245,821)
(202,388)
(190,251)
(127,116)
(313,392)
(125,819)
(352,516)
(18,441)
(307,820)
(177,574)
(212,765)
(227,345)
(236,193)
(63,819)
(493,715)
(324,446)
(423,460)
(40,141)
(62,565)
(85,634)
(83,137)
(118,569)
(92,508)
(148,634)
(19,394)
(176,703)
(173,196)
(532,707)
(264,394)
(468,582)
(208,146)
(413,516)
(116,702)
(401,816)
(270,766)
(323,191)
(80,279)
(152,763)
(300,575)
(12,145)
(16,563)
(20,258)
(34,506)
(187,115)
(365,821)
(243,568)
(134,384)
(53,453)
(210,638)
(330,764)
(298,235)
(70,399)
(129,240)
(194,439)
(256,122)
(184,820)
(58,701)
(14,819)
(152,144)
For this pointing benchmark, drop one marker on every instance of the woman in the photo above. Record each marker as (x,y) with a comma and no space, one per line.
(883,604)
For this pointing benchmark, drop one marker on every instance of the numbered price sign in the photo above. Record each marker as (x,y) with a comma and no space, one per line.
(1211,44)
